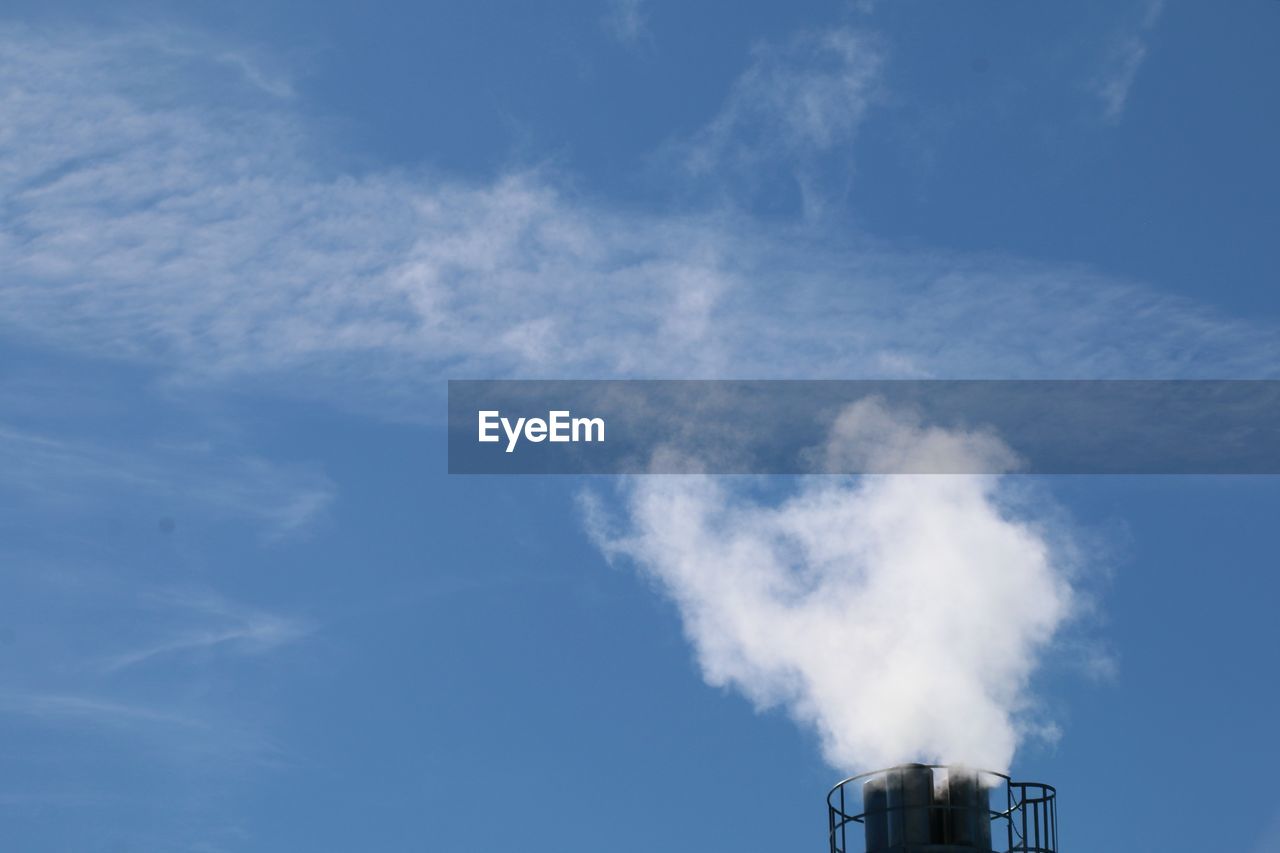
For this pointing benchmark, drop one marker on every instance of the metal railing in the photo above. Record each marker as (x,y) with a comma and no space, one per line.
(1029,818)
(1032,817)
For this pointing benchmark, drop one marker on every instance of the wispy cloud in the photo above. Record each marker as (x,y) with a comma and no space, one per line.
(1123,61)
(91,637)
(1114,84)
(144,733)
(1269,839)
(78,472)
(625,20)
(255,73)
(209,240)
(796,102)
(808,94)
(45,706)
(205,622)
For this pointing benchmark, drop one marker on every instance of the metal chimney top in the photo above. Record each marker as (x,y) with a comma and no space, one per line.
(934,808)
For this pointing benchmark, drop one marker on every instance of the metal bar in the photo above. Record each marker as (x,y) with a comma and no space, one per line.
(1008,815)
(1024,819)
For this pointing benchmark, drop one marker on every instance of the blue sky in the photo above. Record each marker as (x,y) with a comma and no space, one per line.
(243,246)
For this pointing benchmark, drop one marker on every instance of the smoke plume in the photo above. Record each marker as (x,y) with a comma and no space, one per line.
(898,616)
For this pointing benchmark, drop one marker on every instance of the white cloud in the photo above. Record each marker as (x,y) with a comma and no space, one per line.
(900,617)
(869,437)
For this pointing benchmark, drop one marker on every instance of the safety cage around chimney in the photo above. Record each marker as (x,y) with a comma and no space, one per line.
(920,808)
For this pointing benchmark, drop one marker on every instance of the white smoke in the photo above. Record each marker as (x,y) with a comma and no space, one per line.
(899,616)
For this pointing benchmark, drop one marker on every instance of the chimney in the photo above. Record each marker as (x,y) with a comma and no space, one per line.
(921,808)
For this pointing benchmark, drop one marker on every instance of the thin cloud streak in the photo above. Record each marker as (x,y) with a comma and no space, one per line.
(210,622)
(64,705)
(102,680)
(1124,59)
(1113,88)
(65,472)
(203,739)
